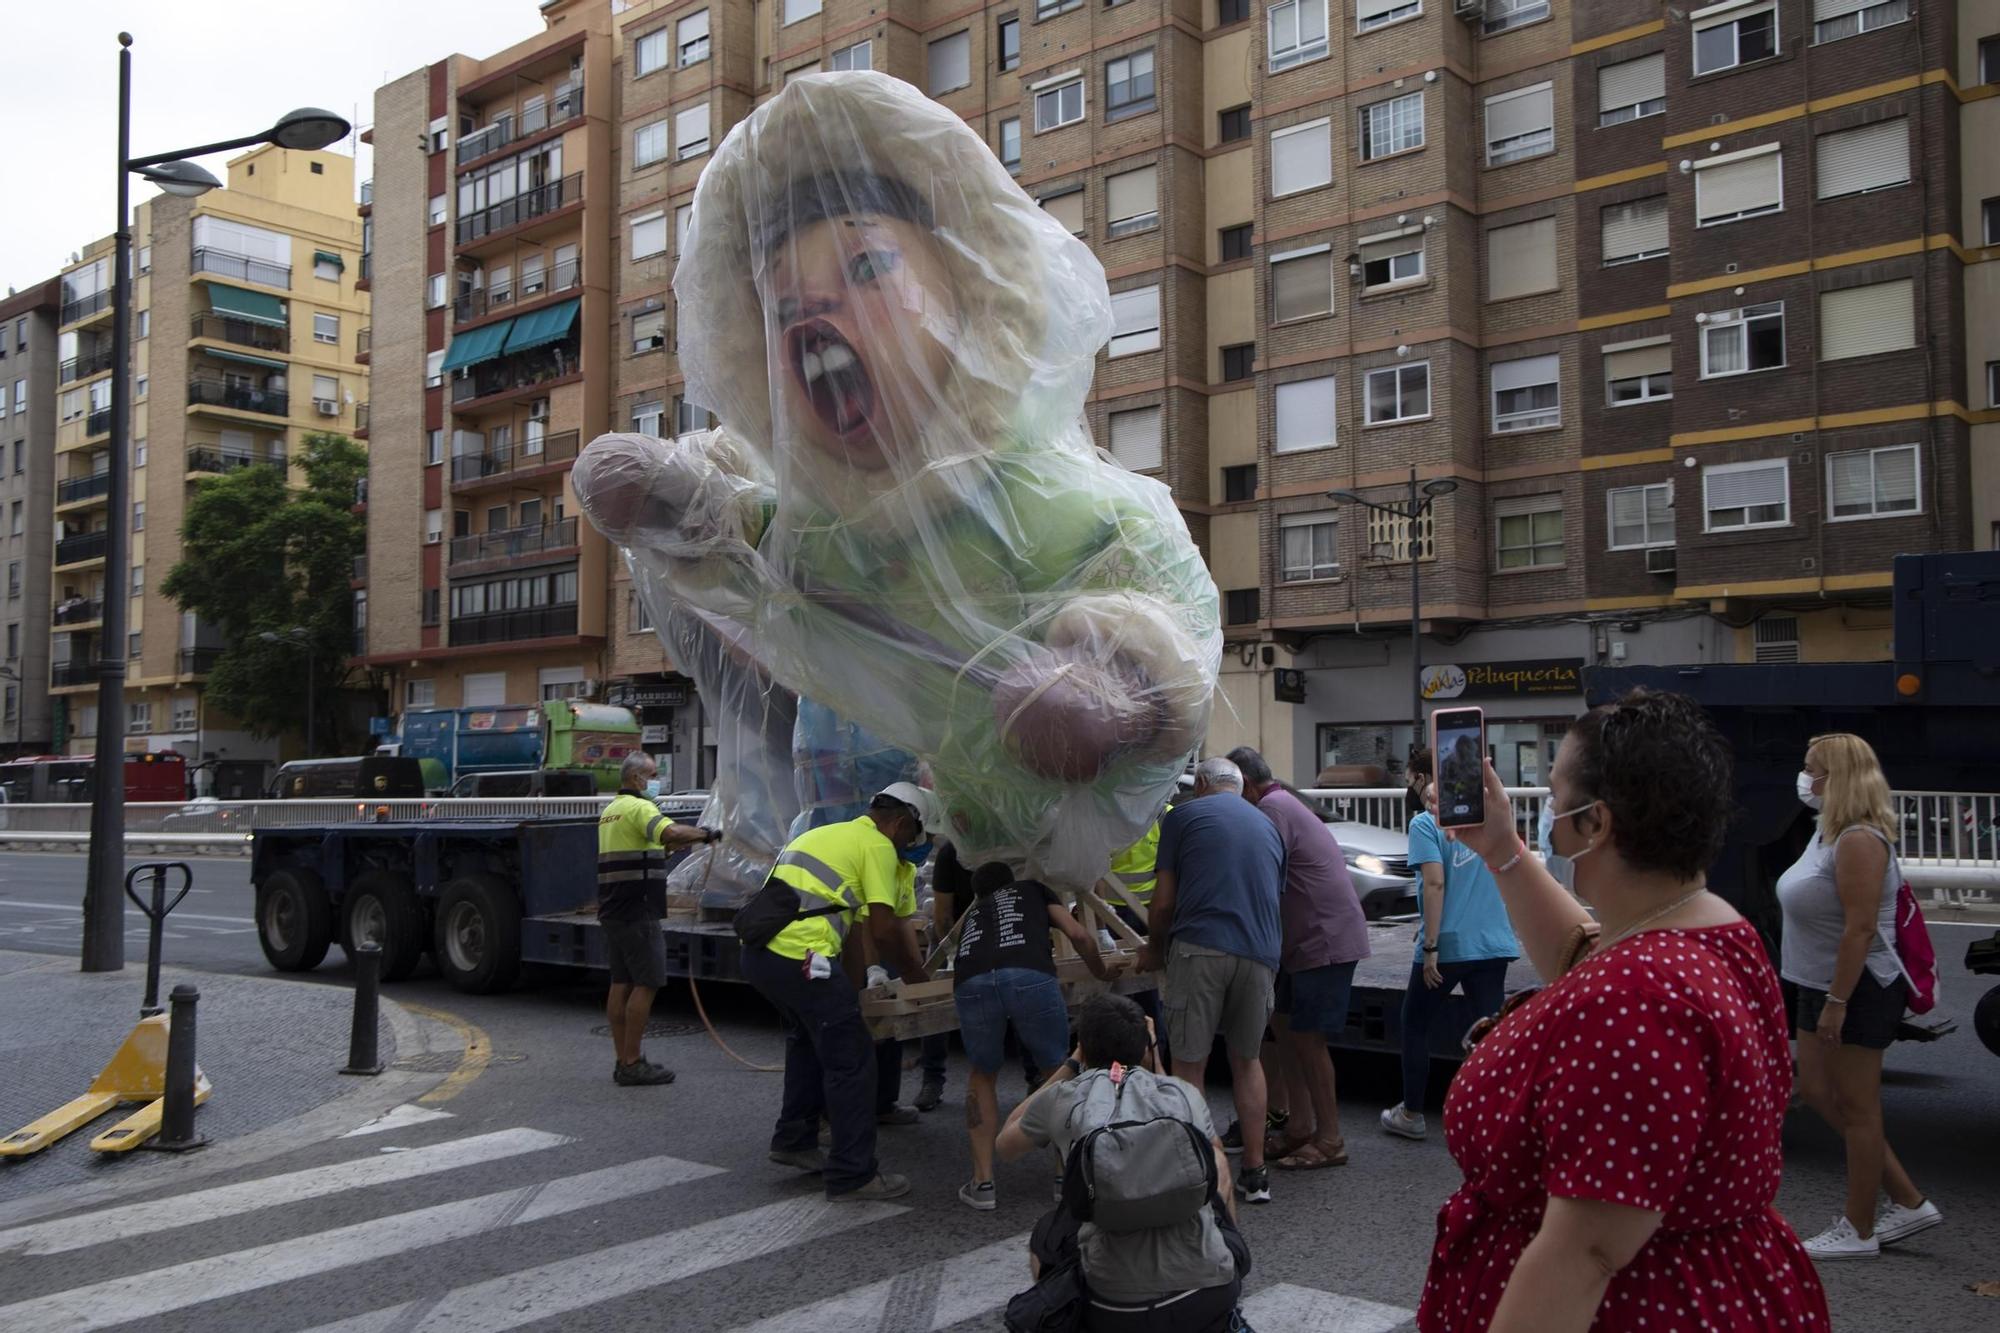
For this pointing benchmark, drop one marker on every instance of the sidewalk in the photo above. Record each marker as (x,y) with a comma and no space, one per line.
(271,1049)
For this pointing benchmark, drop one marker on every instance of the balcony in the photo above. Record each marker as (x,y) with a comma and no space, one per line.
(468,470)
(361,420)
(76,550)
(567,104)
(84,366)
(368,192)
(517,373)
(549,622)
(509,543)
(242,397)
(242,332)
(196,661)
(241,267)
(473,304)
(73,673)
(360,569)
(97,423)
(79,612)
(83,307)
(367,265)
(206,459)
(363,340)
(523,208)
(83,488)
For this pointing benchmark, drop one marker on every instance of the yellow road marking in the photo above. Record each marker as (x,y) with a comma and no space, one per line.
(478,1051)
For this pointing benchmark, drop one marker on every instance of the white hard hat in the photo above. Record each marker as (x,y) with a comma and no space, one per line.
(930,813)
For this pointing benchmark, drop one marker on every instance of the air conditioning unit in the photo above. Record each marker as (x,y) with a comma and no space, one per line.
(1660,560)
(588,689)
(327,407)
(433,538)
(1472,11)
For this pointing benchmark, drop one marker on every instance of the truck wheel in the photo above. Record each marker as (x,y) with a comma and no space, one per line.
(382,910)
(1986,1019)
(294,920)
(478,940)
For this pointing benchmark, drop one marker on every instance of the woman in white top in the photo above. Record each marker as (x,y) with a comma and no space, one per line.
(1839,902)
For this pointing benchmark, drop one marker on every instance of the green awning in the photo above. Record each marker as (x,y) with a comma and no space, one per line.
(243,358)
(257,307)
(476,345)
(543,326)
(328,257)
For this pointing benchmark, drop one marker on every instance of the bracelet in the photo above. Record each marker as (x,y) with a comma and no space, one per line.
(1430,948)
(1507,864)
(1835,999)
(1075,1069)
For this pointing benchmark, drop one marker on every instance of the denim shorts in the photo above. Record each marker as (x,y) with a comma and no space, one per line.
(1874,1012)
(1314,999)
(1032,1001)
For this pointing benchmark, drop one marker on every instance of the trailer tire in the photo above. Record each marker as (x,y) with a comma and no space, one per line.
(1986,1019)
(478,939)
(294,920)
(382,909)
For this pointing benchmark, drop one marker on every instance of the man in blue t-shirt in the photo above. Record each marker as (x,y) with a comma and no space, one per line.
(1214,925)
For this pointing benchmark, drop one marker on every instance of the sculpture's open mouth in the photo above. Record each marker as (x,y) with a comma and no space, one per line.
(832,377)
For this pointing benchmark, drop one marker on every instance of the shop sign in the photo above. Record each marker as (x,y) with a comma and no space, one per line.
(656,735)
(655,696)
(1490,680)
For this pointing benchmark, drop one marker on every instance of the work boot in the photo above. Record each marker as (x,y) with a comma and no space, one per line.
(884,1186)
(897,1114)
(930,1094)
(641,1073)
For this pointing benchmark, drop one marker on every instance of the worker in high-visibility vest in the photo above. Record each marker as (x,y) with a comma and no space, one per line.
(1134,868)
(839,872)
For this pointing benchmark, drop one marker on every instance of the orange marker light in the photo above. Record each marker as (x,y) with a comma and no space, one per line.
(1909,685)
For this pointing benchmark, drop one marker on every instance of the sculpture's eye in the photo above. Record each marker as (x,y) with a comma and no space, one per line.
(870,265)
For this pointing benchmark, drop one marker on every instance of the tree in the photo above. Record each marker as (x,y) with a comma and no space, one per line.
(259,557)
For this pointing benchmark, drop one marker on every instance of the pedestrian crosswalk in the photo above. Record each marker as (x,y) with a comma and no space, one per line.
(433,1268)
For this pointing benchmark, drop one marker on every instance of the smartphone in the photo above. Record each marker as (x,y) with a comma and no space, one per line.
(1458,749)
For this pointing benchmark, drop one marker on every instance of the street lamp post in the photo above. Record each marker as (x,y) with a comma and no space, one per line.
(308,128)
(301,636)
(1411,511)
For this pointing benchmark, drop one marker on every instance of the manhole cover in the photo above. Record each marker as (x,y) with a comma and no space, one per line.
(655,1029)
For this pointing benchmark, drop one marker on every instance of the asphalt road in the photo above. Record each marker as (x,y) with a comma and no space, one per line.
(551,1199)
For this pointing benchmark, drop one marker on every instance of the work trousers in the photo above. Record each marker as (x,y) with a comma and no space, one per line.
(1485,983)
(829,1066)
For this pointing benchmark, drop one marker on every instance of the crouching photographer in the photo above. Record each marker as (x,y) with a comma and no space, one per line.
(1145,1238)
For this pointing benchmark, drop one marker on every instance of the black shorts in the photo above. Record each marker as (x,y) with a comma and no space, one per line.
(636,952)
(1874,1012)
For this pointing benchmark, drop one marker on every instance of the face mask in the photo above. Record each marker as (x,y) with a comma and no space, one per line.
(1569,814)
(1558,865)
(916,853)
(652,789)
(1806,791)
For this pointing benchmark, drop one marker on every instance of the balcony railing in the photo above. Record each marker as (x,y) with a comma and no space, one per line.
(98,422)
(243,397)
(242,332)
(361,418)
(363,343)
(360,569)
(197,661)
(511,542)
(523,207)
(524,370)
(473,304)
(241,267)
(73,673)
(83,488)
(566,105)
(367,265)
(83,307)
(368,191)
(557,448)
(205,459)
(79,612)
(547,622)
(74,550)
(84,366)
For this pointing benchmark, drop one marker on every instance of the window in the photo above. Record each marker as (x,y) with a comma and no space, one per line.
(1635,230)
(1520,124)
(1239,483)
(1993,383)
(1640,371)
(1301,158)
(434,446)
(689,419)
(1135,439)
(1632,89)
(1989,61)
(13,642)
(1010,43)
(1133,201)
(691,39)
(857,56)
(69,405)
(1399,393)
(649,144)
(1527,394)
(1864,321)
(1391,262)
(1521,259)
(20,457)
(138,580)
(1529,531)
(1058,106)
(139,716)
(326,267)
(17,518)
(1989,234)
(434,291)
(950,63)
(647,416)
(1230,11)
(1135,321)
(1050,8)
(1735,496)
(139,385)
(1302,284)
(1873,157)
(434,369)
(649,331)
(1393,126)
(13,701)
(1066,208)
(1502,15)
(1835,19)
(1128,85)
(326,388)
(1739,185)
(1234,242)
(1239,606)
(1640,516)
(800,9)
(1735,342)
(433,526)
(1010,144)
(1239,362)
(145,260)
(138,517)
(637,617)
(1389,535)
(1372,14)
(326,328)
(1308,546)
(1304,414)
(691,132)
(145,324)
(1736,35)
(1873,483)
(20,396)
(1232,124)
(419,694)
(649,53)
(1297,32)
(649,234)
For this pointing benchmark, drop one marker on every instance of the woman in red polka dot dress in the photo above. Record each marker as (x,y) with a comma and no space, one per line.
(1619,1131)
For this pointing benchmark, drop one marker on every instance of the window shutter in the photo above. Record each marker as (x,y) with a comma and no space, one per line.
(951,62)
(1512,115)
(1635,361)
(1864,159)
(1637,228)
(1300,158)
(1528,370)
(1135,439)
(1861,321)
(1304,409)
(1135,311)
(1521,259)
(1302,287)
(1895,479)
(1632,81)
(1516,505)
(692,27)
(1746,488)
(1738,187)
(1852,481)
(1134,193)
(1067,209)
(1833,9)
(1365,10)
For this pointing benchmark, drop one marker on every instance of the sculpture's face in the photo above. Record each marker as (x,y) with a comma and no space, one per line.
(863,321)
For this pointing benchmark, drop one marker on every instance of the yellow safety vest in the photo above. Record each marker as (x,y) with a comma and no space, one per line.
(854,864)
(629,863)
(1136,866)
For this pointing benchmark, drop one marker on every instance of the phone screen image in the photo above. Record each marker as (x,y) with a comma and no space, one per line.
(1459,737)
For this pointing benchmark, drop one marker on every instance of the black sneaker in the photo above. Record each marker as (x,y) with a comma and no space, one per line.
(930,1095)
(641,1073)
(1254,1184)
(1274,1123)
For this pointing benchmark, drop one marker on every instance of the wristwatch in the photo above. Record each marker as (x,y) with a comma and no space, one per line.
(1075,1069)
(1430,948)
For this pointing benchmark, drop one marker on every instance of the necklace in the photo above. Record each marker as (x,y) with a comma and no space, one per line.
(1604,946)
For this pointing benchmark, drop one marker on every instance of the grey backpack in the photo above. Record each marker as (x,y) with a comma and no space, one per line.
(1146,1166)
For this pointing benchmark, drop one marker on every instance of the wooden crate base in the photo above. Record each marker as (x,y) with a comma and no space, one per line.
(903,1012)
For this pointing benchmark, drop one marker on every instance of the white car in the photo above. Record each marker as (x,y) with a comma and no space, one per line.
(1378,861)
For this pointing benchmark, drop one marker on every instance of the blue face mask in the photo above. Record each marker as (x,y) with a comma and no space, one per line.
(652,789)
(1559,866)
(917,853)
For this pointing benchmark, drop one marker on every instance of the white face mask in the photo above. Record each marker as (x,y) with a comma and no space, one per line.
(1806,791)
(1566,814)
(1558,864)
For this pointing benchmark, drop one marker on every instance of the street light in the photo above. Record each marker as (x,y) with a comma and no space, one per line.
(307,128)
(301,636)
(1411,511)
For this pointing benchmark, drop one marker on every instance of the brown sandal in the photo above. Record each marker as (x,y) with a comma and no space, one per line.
(1311,1157)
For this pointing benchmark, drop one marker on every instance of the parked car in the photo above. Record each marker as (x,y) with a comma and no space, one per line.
(524,782)
(1378,861)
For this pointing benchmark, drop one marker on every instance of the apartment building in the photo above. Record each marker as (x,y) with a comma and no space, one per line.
(30,370)
(246,310)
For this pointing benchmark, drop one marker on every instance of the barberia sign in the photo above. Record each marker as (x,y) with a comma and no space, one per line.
(1487,680)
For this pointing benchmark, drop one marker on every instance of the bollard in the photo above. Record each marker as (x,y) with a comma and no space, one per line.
(177,1116)
(362,1055)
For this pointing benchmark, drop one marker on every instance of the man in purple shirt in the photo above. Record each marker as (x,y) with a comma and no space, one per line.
(1325,935)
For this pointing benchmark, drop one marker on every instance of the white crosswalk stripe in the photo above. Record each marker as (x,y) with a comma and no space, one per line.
(1290,1308)
(960,1288)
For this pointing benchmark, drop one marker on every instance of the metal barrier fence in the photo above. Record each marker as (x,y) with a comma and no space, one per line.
(1386,808)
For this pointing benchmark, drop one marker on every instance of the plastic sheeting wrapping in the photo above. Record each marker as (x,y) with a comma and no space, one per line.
(900,540)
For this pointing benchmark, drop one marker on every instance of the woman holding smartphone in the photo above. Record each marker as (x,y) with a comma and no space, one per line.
(1619,1131)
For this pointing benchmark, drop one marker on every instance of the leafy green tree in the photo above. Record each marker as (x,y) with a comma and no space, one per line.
(259,557)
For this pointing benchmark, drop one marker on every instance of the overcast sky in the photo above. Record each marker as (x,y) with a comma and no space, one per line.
(202,70)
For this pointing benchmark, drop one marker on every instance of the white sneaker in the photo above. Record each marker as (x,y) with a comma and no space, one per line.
(1403,1124)
(1896,1222)
(1841,1241)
